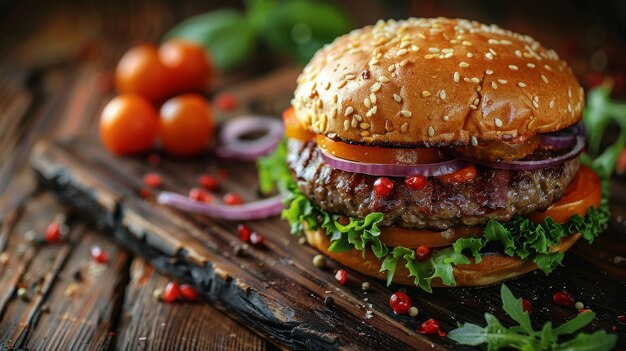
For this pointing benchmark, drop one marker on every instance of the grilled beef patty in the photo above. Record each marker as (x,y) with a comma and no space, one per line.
(493,194)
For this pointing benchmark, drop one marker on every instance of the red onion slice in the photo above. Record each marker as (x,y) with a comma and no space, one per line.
(394,170)
(564,138)
(233,146)
(533,165)
(251,210)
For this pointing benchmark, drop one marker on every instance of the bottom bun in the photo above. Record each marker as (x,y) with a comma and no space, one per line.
(494,267)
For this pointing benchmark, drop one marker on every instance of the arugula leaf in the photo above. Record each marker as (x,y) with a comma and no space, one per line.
(273,172)
(523,337)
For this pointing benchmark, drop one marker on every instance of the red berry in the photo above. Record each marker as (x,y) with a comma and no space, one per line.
(171,292)
(256,238)
(400,302)
(563,298)
(422,253)
(430,326)
(244,232)
(152,180)
(416,182)
(226,102)
(383,186)
(207,181)
(188,292)
(198,194)
(621,319)
(526,306)
(53,233)
(341,276)
(99,255)
(614,328)
(232,199)
(145,193)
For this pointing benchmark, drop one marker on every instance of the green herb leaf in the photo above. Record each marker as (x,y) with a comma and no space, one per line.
(515,309)
(575,324)
(598,341)
(225,34)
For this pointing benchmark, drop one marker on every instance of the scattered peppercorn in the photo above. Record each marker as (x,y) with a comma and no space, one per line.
(526,306)
(413,311)
(188,293)
(579,305)
(239,251)
(232,199)
(319,261)
(341,276)
(156,294)
(422,253)
(4,258)
(22,293)
(77,275)
(208,181)
(383,186)
(244,232)
(563,298)
(365,286)
(400,302)
(30,236)
(416,182)
(60,218)
(152,180)
(99,255)
(71,290)
(171,292)
(329,302)
(302,240)
(430,326)
(200,195)
(257,238)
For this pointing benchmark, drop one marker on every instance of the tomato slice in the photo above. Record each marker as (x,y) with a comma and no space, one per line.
(584,191)
(413,238)
(293,129)
(376,154)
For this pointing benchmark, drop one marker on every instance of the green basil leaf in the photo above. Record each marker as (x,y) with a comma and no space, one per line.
(226,35)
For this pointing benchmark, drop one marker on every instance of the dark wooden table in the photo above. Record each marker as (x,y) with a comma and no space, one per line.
(55,77)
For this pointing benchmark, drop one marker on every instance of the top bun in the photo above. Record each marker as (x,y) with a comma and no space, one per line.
(436,82)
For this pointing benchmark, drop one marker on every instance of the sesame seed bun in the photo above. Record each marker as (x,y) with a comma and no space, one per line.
(436,82)
(493,269)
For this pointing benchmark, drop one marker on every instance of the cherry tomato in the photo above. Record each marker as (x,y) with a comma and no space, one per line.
(186,124)
(188,63)
(383,186)
(141,72)
(400,302)
(583,192)
(128,125)
(422,253)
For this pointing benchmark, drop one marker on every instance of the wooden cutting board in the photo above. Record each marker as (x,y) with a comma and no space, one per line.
(275,289)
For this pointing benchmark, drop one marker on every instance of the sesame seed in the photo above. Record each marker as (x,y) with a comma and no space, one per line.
(350,76)
(431,131)
(456,77)
(375,87)
(489,56)
(473,107)
(429,56)
(552,104)
(335,98)
(442,94)
(342,84)
(404,127)
(433,50)
(531,65)
(475,80)
(498,122)
(446,118)
(478,88)
(373,62)
(548,67)
(466,79)
(402,52)
(494,85)
(425,93)
(473,140)
(354,123)
(404,63)
(493,41)
(493,52)
(470,55)
(348,111)
(391,68)
(388,126)
(476,101)
(502,81)
(346,124)
(404,44)
(358,117)
(397,97)
(513,67)
(422,36)
(489,72)
(327,85)
(406,113)
(364,125)
(373,98)
(544,78)
(518,53)
(372,111)
(535,104)
(367,102)
(569,93)
(333,112)
(383,79)
(463,64)
(415,48)
(521,84)
(466,43)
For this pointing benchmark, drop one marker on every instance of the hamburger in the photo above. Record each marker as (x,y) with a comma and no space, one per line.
(438,153)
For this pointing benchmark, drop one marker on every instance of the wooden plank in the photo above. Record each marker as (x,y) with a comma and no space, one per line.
(151,325)
(276,290)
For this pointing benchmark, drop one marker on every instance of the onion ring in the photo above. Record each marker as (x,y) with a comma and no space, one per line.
(233,146)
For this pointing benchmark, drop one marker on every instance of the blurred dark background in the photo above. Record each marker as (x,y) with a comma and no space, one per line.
(590,35)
